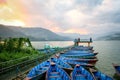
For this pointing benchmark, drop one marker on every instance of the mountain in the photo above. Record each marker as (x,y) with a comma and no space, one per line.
(112,36)
(8,31)
(36,34)
(75,35)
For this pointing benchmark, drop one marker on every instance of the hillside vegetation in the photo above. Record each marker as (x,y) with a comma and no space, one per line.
(34,34)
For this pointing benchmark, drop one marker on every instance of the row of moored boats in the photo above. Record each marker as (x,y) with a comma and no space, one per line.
(80,60)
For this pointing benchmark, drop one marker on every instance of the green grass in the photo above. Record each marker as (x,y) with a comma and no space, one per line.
(6,56)
(9,59)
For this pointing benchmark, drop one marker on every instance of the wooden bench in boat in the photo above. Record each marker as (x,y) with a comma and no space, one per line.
(55,76)
(80,75)
(54,73)
(40,70)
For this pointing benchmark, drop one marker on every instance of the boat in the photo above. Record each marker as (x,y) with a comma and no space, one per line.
(87,55)
(38,70)
(73,63)
(79,73)
(91,61)
(60,63)
(56,73)
(82,48)
(78,53)
(99,75)
(117,68)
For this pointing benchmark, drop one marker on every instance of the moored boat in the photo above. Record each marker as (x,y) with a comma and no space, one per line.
(79,73)
(60,63)
(91,61)
(83,48)
(99,75)
(76,51)
(73,63)
(87,55)
(117,68)
(56,73)
(79,53)
(38,70)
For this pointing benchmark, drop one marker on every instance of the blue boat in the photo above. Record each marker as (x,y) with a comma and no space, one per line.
(38,70)
(76,56)
(79,53)
(91,61)
(73,63)
(79,73)
(99,75)
(60,63)
(56,73)
(87,55)
(117,68)
(82,48)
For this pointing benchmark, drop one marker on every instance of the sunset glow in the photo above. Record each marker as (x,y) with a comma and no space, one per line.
(11,13)
(12,22)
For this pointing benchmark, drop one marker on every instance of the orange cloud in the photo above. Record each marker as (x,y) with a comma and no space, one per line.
(12,12)
(3,2)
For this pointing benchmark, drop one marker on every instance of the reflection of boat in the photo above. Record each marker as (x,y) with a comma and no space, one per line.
(79,73)
(38,70)
(60,63)
(56,73)
(98,75)
(117,68)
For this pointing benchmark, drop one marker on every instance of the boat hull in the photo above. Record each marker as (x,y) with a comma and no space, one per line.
(90,61)
(38,71)
(56,73)
(117,69)
(79,73)
(98,75)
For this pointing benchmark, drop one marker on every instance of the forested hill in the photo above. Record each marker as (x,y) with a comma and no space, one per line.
(36,34)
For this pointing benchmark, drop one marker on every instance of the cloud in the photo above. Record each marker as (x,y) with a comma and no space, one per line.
(85,16)
(12,22)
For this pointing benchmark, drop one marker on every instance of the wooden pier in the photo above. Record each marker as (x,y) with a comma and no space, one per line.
(78,41)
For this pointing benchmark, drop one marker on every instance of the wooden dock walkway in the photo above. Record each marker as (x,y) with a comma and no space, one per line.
(78,41)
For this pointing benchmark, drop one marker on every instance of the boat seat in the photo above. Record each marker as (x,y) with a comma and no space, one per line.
(54,76)
(80,75)
(54,73)
(80,78)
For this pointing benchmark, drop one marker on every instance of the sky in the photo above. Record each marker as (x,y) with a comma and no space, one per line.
(66,16)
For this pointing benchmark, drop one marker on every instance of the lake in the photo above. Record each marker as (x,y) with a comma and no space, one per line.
(109,52)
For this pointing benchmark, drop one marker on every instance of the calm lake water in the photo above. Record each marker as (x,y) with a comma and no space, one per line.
(109,52)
